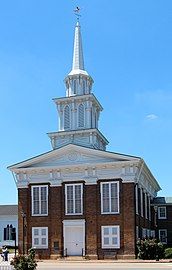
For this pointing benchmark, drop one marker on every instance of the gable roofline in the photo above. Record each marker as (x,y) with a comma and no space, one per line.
(38,158)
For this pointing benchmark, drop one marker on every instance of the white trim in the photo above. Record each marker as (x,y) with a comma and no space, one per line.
(74,223)
(159,212)
(39,186)
(110,206)
(74,209)
(40,237)
(110,236)
(149,202)
(146,207)
(163,230)
(141,201)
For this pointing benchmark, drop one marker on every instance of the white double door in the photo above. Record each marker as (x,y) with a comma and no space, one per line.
(74,237)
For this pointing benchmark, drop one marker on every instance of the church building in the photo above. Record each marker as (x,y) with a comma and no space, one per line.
(79,199)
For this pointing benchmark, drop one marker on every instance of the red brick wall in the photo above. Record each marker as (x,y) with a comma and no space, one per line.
(129,218)
(92,215)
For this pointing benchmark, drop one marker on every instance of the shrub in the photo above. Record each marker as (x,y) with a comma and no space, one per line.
(22,262)
(150,249)
(168,253)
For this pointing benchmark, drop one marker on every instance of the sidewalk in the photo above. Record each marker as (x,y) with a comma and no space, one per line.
(104,261)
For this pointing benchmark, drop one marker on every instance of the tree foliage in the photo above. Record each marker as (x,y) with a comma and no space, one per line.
(22,262)
(150,249)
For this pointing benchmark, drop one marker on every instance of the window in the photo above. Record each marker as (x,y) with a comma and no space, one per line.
(84,86)
(40,237)
(152,233)
(137,232)
(146,206)
(74,86)
(144,233)
(136,199)
(149,208)
(162,212)
(141,201)
(66,117)
(8,232)
(39,200)
(163,236)
(110,237)
(73,198)
(81,117)
(110,197)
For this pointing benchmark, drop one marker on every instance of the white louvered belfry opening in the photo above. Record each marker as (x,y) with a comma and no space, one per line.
(66,117)
(81,116)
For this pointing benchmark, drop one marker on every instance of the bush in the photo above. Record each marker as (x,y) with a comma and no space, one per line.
(22,262)
(168,253)
(150,249)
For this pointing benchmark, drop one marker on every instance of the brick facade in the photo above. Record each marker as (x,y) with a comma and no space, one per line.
(92,216)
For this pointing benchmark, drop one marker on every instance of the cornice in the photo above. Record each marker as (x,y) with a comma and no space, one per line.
(86,97)
(73,167)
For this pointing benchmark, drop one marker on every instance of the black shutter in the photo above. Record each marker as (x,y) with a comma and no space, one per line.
(5,233)
(13,234)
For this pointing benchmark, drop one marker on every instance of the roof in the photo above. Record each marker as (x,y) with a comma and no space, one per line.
(162,200)
(8,210)
(36,158)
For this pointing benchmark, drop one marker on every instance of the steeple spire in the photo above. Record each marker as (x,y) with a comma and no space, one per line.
(78,81)
(78,59)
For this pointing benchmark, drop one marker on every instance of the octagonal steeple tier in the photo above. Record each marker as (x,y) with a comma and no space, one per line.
(78,81)
(79,111)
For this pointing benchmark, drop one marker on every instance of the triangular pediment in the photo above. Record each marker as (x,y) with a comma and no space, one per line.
(72,155)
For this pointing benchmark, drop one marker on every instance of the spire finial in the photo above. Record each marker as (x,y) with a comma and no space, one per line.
(77,13)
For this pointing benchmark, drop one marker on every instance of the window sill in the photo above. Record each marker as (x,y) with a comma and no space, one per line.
(80,214)
(110,213)
(110,247)
(38,215)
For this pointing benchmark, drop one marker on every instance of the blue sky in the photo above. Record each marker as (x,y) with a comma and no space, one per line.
(127,51)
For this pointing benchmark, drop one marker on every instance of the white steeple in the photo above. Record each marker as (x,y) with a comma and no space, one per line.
(78,59)
(78,81)
(79,111)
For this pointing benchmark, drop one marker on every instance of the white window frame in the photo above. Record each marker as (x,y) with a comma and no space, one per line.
(159,212)
(110,206)
(163,230)
(146,206)
(40,237)
(39,186)
(74,208)
(141,201)
(110,236)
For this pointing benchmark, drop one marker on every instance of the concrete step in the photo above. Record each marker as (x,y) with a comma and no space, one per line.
(73,258)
